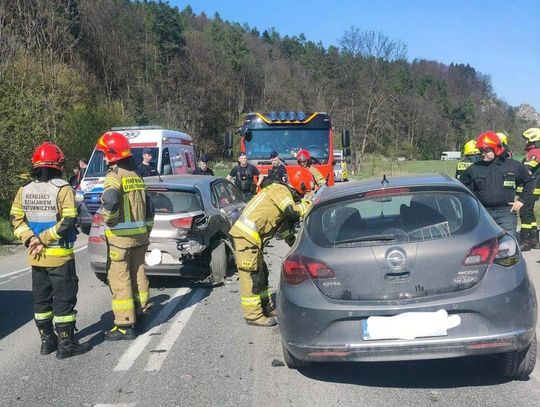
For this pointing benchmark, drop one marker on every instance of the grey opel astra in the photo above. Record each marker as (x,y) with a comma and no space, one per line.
(409,268)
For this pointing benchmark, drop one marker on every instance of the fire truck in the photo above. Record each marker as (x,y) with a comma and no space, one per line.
(286,133)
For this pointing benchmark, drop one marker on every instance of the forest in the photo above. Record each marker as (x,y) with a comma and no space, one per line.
(71,69)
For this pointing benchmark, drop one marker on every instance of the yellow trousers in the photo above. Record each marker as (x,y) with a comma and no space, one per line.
(128,282)
(253,274)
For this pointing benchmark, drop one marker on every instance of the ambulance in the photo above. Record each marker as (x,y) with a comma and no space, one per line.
(172,153)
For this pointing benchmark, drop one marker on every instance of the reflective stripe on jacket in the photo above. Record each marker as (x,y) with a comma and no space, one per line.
(127,208)
(265,213)
(46,210)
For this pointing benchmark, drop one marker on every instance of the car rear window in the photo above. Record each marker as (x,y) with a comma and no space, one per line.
(411,216)
(171,201)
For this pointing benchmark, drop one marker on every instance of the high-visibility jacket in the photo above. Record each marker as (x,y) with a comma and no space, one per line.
(531,161)
(46,210)
(128,211)
(265,213)
(319,179)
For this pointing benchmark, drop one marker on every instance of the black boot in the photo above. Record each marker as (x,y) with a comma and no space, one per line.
(523,241)
(533,239)
(121,333)
(67,345)
(49,340)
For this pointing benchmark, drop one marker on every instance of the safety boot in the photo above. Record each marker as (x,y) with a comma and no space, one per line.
(121,333)
(523,244)
(67,344)
(49,340)
(533,239)
(262,321)
(270,311)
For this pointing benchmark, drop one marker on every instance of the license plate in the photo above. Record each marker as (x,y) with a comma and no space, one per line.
(409,325)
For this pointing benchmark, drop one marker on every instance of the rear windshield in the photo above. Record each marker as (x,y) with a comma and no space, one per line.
(175,201)
(405,217)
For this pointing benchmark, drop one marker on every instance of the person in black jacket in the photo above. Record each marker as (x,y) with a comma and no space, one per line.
(494,179)
(145,168)
(277,173)
(203,168)
(243,176)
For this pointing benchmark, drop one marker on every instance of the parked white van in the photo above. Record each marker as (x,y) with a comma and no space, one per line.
(172,153)
(451,155)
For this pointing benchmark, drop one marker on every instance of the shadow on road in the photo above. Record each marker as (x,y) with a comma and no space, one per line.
(16,310)
(444,373)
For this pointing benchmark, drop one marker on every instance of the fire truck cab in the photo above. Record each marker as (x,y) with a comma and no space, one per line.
(286,133)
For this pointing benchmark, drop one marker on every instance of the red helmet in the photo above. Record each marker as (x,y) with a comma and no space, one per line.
(114,145)
(303,155)
(49,155)
(302,180)
(490,140)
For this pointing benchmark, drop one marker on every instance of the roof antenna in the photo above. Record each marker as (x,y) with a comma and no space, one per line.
(384,181)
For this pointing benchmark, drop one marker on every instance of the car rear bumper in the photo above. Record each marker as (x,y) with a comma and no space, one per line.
(398,350)
(172,270)
(492,320)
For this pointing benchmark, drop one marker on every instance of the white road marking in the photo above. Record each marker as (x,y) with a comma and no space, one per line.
(29,268)
(116,405)
(156,359)
(137,347)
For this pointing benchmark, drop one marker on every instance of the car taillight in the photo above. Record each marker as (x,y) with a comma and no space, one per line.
(296,269)
(182,223)
(484,253)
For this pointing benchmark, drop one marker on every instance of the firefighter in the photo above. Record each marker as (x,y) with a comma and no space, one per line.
(43,215)
(275,205)
(304,160)
(128,213)
(529,229)
(493,181)
(471,154)
(243,176)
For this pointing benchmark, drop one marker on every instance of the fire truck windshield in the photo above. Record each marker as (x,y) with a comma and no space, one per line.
(287,142)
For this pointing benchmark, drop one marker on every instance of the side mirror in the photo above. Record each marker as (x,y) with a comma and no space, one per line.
(228,140)
(167,170)
(345,139)
(346,152)
(248,135)
(229,153)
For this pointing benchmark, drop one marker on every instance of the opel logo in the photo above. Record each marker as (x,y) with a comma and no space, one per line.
(396,259)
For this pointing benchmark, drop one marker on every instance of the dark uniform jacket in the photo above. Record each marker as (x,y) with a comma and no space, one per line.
(200,171)
(145,170)
(243,177)
(276,174)
(494,182)
(465,163)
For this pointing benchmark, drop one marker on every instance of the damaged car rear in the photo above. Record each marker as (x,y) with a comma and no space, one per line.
(190,237)
(411,269)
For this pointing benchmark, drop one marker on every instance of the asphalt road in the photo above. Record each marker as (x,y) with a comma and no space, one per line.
(198,352)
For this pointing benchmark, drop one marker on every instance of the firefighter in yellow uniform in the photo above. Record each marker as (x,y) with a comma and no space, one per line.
(43,215)
(128,214)
(529,227)
(275,205)
(471,154)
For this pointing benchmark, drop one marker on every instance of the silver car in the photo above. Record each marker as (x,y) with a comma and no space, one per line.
(414,268)
(190,237)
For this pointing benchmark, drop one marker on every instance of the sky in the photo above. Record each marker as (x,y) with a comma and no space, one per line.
(500,38)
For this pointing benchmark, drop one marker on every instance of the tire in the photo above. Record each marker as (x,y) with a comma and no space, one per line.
(218,262)
(102,277)
(290,360)
(519,364)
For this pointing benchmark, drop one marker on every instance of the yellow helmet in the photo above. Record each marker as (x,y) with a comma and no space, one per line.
(470,148)
(532,134)
(503,137)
